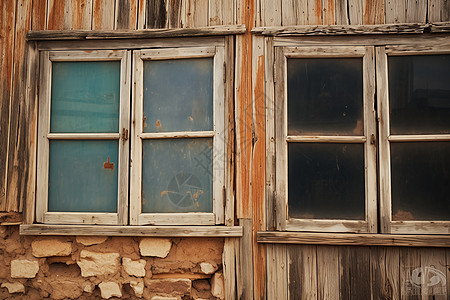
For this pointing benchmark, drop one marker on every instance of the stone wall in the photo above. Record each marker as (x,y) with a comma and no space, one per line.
(69,267)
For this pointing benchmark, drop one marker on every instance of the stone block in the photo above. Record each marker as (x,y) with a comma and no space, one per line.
(95,263)
(170,286)
(155,247)
(134,267)
(110,289)
(51,247)
(138,287)
(24,268)
(201,285)
(207,268)
(218,285)
(15,287)
(91,240)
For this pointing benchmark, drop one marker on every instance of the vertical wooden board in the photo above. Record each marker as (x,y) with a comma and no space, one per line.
(271,12)
(229,267)
(434,269)
(175,13)
(302,274)
(289,12)
(373,12)
(327,272)
(68,14)
(438,11)
(447,254)
(39,15)
(245,266)
(20,115)
(142,13)
(7,13)
(277,272)
(82,14)
(392,285)
(126,14)
(156,14)
(103,15)
(55,14)
(416,11)
(409,262)
(314,12)
(258,163)
(396,11)
(355,12)
(196,13)
(378,272)
(354,272)
(328,12)
(228,12)
(341,12)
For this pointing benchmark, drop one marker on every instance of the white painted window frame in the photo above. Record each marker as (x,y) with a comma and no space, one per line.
(44,136)
(137,217)
(283,222)
(387,224)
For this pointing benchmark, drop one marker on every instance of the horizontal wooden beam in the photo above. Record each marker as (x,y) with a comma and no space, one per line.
(275,237)
(137,34)
(156,231)
(302,30)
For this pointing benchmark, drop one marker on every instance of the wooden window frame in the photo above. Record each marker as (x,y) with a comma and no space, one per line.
(44,137)
(282,140)
(387,224)
(137,217)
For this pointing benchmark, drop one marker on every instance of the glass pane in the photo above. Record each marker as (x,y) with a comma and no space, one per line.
(83,176)
(419,94)
(178,95)
(177,175)
(420,181)
(326,181)
(85,97)
(325,96)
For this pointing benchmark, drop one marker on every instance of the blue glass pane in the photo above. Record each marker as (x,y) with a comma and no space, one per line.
(83,176)
(326,181)
(178,95)
(85,97)
(177,175)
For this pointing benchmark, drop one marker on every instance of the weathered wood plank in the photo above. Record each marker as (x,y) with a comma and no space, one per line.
(416,11)
(434,279)
(55,14)
(302,276)
(341,12)
(308,238)
(245,266)
(156,14)
(229,267)
(354,271)
(39,15)
(142,14)
(289,12)
(221,12)
(378,272)
(173,231)
(409,261)
(126,14)
(438,11)
(345,30)
(258,163)
(175,13)
(328,12)
(314,11)
(20,114)
(7,13)
(137,34)
(373,12)
(327,272)
(355,12)
(396,11)
(392,285)
(271,12)
(103,15)
(196,13)
(277,281)
(81,14)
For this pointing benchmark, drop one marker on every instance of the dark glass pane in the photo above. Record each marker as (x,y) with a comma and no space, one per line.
(420,181)
(177,175)
(85,97)
(326,181)
(325,96)
(419,94)
(178,95)
(83,176)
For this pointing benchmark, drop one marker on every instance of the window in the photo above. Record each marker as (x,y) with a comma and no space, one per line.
(148,153)
(332,174)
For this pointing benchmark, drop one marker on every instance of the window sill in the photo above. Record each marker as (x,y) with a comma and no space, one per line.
(307,238)
(152,231)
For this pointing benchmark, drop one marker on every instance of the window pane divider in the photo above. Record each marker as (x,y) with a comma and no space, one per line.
(326,139)
(419,138)
(178,134)
(83,136)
